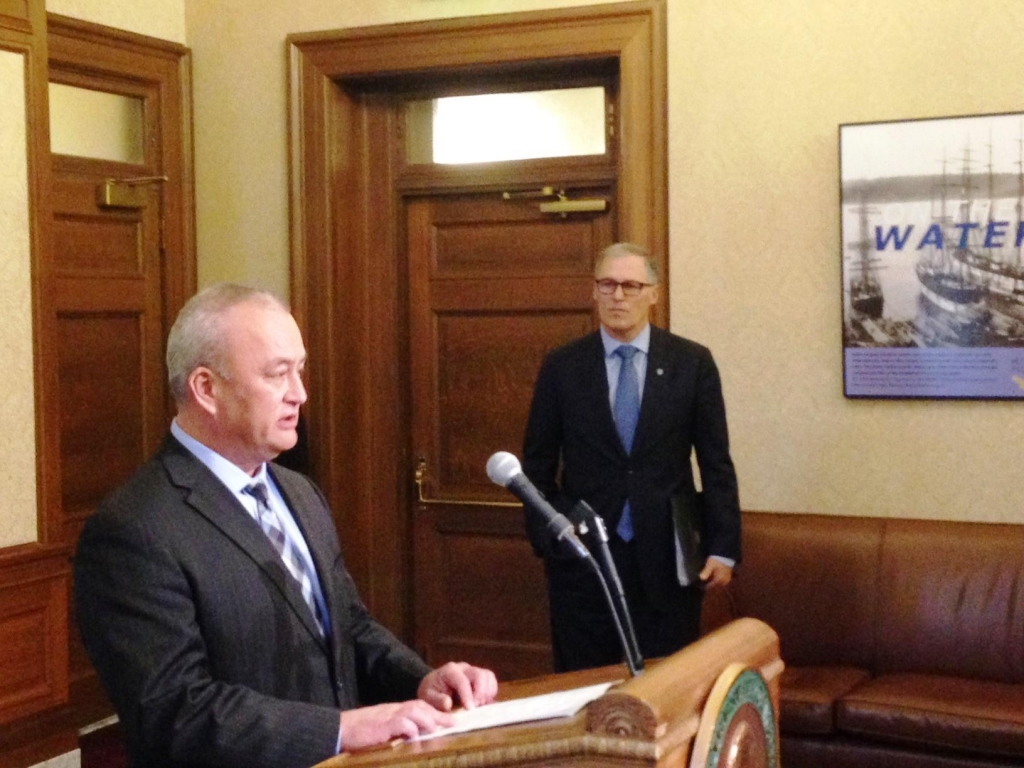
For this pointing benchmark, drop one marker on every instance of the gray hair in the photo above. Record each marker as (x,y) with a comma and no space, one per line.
(197,336)
(617,250)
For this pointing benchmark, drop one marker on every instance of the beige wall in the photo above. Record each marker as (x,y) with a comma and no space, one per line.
(755,101)
(754,106)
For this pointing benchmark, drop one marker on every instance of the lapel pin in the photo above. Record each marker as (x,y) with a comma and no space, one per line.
(660,371)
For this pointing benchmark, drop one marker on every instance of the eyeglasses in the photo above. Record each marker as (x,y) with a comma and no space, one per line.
(607,286)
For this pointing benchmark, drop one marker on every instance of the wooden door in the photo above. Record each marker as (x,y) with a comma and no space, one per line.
(493,285)
(118,271)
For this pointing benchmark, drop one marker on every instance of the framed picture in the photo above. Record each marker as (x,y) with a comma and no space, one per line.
(932,216)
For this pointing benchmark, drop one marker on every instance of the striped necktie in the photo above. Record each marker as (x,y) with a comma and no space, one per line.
(271,525)
(627,414)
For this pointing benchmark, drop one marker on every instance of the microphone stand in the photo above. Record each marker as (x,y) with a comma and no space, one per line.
(634,661)
(609,573)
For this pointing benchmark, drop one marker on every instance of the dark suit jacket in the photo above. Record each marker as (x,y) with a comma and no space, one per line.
(201,637)
(681,410)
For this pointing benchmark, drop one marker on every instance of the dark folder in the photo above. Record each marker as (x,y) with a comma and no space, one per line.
(686,518)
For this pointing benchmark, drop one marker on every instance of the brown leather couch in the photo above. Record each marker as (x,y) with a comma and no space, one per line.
(903,639)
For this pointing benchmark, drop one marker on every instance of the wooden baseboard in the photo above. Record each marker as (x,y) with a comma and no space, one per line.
(54,732)
(37,738)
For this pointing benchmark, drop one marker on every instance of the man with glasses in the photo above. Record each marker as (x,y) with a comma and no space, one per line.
(614,420)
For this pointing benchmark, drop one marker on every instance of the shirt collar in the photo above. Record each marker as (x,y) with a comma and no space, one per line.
(641,342)
(234,477)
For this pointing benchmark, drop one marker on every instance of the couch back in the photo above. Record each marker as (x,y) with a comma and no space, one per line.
(883,595)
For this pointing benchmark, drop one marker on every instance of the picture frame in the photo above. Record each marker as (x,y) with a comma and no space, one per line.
(932,241)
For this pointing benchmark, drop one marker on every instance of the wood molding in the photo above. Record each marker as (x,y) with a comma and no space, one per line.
(347,289)
(113,38)
(21,16)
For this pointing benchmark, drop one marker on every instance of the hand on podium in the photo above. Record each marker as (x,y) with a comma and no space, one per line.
(370,726)
(440,690)
(472,686)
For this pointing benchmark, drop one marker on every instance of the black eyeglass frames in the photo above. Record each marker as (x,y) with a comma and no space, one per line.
(607,286)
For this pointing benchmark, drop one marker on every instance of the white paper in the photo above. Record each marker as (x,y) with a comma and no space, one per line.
(544,707)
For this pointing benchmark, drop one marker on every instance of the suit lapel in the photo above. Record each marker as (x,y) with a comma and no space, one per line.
(302,503)
(655,391)
(317,526)
(208,496)
(597,397)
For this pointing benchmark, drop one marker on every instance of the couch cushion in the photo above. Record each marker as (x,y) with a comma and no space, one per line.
(972,715)
(854,752)
(814,580)
(952,600)
(808,697)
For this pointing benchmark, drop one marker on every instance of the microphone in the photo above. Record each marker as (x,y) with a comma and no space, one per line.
(505,470)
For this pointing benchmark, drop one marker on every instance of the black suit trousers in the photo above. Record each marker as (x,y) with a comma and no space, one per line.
(583,631)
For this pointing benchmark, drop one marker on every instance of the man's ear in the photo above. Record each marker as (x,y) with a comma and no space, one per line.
(202,386)
(654,293)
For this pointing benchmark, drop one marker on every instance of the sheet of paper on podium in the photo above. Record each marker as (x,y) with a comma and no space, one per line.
(544,707)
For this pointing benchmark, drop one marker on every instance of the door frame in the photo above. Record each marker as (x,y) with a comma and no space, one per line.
(347,282)
(87,54)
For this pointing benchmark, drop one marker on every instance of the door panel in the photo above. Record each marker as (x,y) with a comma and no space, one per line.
(493,286)
(479,619)
(101,375)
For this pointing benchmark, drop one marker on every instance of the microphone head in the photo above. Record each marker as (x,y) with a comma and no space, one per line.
(502,467)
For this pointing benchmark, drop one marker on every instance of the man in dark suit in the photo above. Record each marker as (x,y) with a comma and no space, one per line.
(614,420)
(210,589)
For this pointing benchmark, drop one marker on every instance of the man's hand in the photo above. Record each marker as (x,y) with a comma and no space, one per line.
(716,573)
(370,726)
(471,686)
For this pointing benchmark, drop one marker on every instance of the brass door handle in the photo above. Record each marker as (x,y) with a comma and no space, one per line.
(420,476)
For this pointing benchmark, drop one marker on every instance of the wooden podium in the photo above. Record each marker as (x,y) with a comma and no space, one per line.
(712,705)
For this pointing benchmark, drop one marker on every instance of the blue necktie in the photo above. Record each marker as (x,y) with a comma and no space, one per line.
(627,413)
(271,526)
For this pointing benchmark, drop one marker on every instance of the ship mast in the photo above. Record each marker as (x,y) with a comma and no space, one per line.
(992,251)
(963,272)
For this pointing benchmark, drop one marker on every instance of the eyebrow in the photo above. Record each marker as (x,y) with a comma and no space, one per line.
(287,361)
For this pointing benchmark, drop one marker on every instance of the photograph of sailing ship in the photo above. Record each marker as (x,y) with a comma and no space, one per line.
(933,244)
